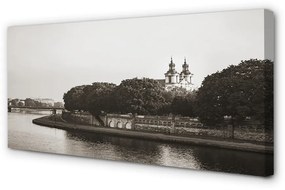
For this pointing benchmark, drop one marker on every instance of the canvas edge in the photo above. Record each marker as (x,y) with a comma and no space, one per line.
(269,53)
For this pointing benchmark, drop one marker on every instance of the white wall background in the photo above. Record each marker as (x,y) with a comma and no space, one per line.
(28,170)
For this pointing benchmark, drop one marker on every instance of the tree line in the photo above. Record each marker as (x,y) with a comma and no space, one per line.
(238,92)
(141,96)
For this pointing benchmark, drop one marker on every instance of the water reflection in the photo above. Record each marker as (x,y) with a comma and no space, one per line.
(23,134)
(234,161)
(176,155)
(117,148)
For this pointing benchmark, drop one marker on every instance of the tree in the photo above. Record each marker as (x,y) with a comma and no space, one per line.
(169,96)
(74,100)
(98,97)
(14,102)
(245,90)
(184,104)
(30,102)
(142,96)
(21,104)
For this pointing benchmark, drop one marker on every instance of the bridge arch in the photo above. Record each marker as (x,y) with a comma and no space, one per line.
(120,124)
(112,124)
(128,125)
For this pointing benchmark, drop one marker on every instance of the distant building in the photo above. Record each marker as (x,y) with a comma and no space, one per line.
(15,102)
(46,101)
(174,79)
(58,104)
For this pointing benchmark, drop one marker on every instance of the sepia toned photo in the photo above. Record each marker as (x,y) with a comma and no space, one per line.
(190,91)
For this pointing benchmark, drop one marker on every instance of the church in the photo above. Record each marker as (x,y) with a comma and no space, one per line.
(173,79)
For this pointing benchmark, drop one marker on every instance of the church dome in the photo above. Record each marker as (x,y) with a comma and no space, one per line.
(187,72)
(171,68)
(185,68)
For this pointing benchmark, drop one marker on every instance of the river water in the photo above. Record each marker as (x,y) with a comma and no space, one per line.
(24,135)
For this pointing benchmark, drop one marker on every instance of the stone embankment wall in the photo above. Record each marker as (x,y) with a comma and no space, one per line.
(183,126)
(80,118)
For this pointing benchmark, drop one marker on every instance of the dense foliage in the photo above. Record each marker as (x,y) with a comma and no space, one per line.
(142,96)
(98,97)
(73,99)
(241,91)
(184,105)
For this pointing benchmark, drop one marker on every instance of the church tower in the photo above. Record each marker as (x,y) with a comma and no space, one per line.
(171,76)
(175,80)
(185,73)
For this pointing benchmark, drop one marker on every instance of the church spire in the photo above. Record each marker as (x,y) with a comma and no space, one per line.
(171,69)
(185,68)
(172,66)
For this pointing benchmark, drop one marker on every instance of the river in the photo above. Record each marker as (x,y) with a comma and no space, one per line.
(24,135)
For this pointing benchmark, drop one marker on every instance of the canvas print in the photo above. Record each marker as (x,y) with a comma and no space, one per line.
(190,91)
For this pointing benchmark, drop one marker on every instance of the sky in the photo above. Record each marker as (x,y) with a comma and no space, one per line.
(46,60)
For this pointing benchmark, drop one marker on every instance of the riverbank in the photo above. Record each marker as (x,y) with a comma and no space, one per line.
(242,146)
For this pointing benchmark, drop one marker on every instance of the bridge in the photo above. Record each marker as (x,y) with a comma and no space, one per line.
(53,109)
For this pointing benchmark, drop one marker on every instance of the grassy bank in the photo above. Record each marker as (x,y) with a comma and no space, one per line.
(242,146)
